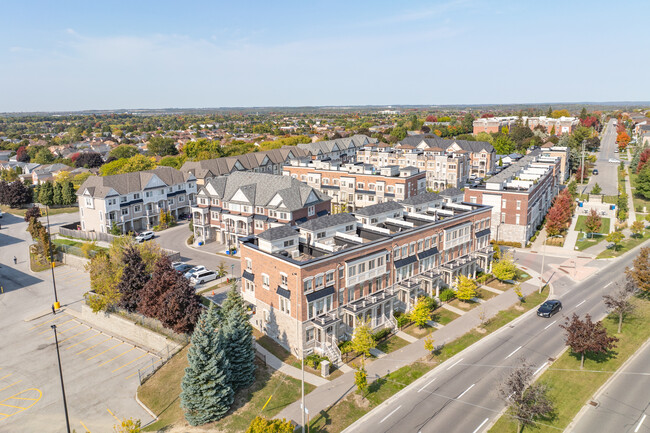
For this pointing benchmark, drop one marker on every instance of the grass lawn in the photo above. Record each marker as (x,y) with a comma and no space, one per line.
(580,224)
(640,216)
(392,344)
(161,394)
(485,294)
(583,243)
(462,305)
(570,388)
(521,276)
(280,352)
(215,287)
(626,245)
(418,332)
(443,316)
(52,211)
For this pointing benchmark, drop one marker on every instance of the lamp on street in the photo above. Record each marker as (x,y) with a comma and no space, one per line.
(302,352)
(58,356)
(541,277)
(232,270)
(56,305)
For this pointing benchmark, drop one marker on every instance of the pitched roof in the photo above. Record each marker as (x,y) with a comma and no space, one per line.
(279,232)
(379,208)
(451,192)
(327,221)
(421,198)
(102,186)
(433,142)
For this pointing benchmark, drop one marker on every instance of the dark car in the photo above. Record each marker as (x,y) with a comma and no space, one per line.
(549,308)
(181,268)
(595,171)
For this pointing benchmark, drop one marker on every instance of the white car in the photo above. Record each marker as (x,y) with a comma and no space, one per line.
(614,161)
(144,236)
(203,277)
(196,269)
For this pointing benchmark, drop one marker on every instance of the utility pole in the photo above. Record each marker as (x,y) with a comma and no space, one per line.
(57,305)
(582,165)
(58,356)
(302,351)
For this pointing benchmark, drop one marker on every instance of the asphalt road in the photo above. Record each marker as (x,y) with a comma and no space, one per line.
(459,395)
(624,405)
(607,177)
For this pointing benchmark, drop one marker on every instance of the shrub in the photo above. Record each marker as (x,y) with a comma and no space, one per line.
(402,321)
(447,295)
(345,347)
(314,360)
(156,228)
(506,243)
(380,335)
(190,240)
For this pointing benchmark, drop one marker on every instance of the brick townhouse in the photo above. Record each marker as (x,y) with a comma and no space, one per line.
(519,196)
(559,126)
(313,284)
(134,201)
(246,203)
(354,186)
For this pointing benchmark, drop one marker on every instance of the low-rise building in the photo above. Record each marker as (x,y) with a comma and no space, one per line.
(313,284)
(354,186)
(549,150)
(134,201)
(242,204)
(520,196)
(559,126)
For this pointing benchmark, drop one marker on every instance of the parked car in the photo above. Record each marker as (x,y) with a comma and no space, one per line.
(144,236)
(203,277)
(189,274)
(181,267)
(614,161)
(549,308)
(615,150)
(595,171)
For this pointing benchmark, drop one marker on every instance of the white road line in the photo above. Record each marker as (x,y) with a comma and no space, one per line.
(386,417)
(482,424)
(513,352)
(454,364)
(549,325)
(608,284)
(581,303)
(463,393)
(639,425)
(430,382)
(537,371)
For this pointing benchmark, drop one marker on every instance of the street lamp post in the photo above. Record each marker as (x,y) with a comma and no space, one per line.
(57,305)
(541,283)
(232,271)
(58,356)
(302,352)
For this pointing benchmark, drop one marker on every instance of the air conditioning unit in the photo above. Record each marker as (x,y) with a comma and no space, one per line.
(295,254)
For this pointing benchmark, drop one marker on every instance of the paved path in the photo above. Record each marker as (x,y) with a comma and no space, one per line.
(631,215)
(403,335)
(490,289)
(453,309)
(572,234)
(273,362)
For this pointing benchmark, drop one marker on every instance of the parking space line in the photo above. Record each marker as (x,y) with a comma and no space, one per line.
(141,356)
(64,331)
(72,336)
(84,426)
(11,385)
(9,405)
(79,342)
(23,398)
(57,324)
(101,342)
(131,375)
(109,411)
(47,321)
(123,353)
(6,376)
(101,353)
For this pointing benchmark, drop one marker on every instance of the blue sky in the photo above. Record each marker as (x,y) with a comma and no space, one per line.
(76,55)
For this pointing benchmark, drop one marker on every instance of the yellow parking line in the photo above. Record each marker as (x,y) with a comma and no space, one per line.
(9,405)
(103,341)
(72,336)
(109,411)
(23,398)
(141,356)
(130,376)
(4,377)
(47,321)
(63,332)
(58,324)
(110,348)
(79,342)
(10,385)
(84,426)
(123,353)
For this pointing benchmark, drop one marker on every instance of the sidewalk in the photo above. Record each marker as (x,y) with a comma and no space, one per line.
(325,396)
(631,215)
(289,370)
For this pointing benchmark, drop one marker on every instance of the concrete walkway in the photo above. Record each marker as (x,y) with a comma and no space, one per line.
(273,362)
(404,336)
(490,289)
(453,309)
(572,234)
(631,215)
(323,397)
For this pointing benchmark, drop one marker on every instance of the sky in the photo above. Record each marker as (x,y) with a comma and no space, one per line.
(103,55)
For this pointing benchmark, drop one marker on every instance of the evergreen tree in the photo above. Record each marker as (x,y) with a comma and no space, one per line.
(57,198)
(238,335)
(206,393)
(68,197)
(233,301)
(46,194)
(133,279)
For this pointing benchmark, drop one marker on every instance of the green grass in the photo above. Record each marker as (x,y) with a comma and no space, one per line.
(161,394)
(278,351)
(626,245)
(570,388)
(611,199)
(485,294)
(580,224)
(444,316)
(583,243)
(640,217)
(392,344)
(53,211)
(417,332)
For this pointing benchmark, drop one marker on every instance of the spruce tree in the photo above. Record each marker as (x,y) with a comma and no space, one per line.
(133,279)
(238,334)
(233,301)
(57,198)
(46,194)
(68,196)
(206,394)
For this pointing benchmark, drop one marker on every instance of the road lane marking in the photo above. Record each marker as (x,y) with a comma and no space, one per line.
(78,333)
(103,341)
(541,366)
(110,348)
(463,393)
(79,342)
(11,385)
(421,389)
(550,324)
(639,425)
(6,376)
(454,364)
(482,424)
(608,284)
(130,376)
(386,417)
(513,352)
(123,353)
(581,303)
(141,356)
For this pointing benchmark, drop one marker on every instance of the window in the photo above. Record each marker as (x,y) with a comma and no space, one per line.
(359,185)
(249,264)
(349,228)
(259,210)
(181,198)
(518,204)
(259,224)
(326,181)
(371,186)
(411,248)
(380,261)
(266,281)
(288,243)
(389,188)
(123,199)
(503,203)
(89,202)
(420,246)
(503,217)
(320,235)
(148,194)
(125,211)
(318,282)
(361,267)
(352,271)
(308,285)
(309,334)
(335,182)
(350,294)
(171,201)
(396,253)
(405,251)
(472,199)
(517,219)
(371,265)
(283,216)
(285,305)
(136,208)
(426,243)
(249,286)
(101,216)
(329,277)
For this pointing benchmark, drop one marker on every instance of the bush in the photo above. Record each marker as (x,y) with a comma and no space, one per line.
(430,303)
(190,240)
(156,228)
(447,295)
(314,360)
(345,347)
(506,243)
(380,335)
(402,321)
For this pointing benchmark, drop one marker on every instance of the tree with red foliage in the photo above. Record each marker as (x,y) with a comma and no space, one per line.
(487,115)
(589,121)
(22,155)
(580,176)
(622,139)
(554,221)
(431,118)
(587,337)
(643,159)
(74,156)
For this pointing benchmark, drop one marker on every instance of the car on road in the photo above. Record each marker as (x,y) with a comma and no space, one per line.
(203,277)
(144,236)
(615,150)
(189,274)
(595,171)
(181,267)
(549,308)
(614,161)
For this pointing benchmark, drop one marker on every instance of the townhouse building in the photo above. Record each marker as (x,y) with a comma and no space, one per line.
(354,186)
(134,201)
(550,150)
(242,204)
(559,126)
(519,196)
(311,285)
(343,149)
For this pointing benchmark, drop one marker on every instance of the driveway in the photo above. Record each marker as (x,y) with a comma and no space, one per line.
(607,177)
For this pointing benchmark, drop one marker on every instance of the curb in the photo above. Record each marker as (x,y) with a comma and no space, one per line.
(149,411)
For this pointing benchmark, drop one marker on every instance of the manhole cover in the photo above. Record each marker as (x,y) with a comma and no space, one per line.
(593,403)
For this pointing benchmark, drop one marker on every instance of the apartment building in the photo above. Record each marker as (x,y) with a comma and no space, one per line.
(245,203)
(313,284)
(559,126)
(520,196)
(549,150)
(354,186)
(134,201)
(343,149)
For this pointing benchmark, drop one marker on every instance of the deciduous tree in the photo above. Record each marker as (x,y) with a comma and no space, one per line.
(619,301)
(421,313)
(466,288)
(134,278)
(89,160)
(362,340)
(616,238)
(586,337)
(639,274)
(263,425)
(505,268)
(593,222)
(637,228)
(361,379)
